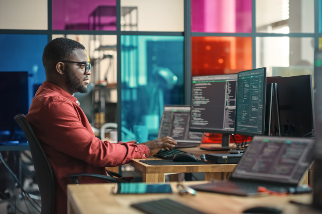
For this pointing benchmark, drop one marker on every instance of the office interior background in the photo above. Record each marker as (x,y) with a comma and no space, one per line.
(144,52)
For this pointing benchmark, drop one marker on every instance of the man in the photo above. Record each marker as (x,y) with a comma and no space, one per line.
(63,129)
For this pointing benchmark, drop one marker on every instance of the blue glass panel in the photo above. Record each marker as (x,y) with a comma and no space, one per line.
(24,53)
(152,76)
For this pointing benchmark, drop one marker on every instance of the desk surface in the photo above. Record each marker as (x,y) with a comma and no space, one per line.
(97,198)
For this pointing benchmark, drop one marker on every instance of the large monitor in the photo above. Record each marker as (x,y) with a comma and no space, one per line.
(295,101)
(14,100)
(251,99)
(213,105)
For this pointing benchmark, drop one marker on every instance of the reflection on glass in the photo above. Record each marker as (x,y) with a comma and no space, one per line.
(152,76)
(220,55)
(152,15)
(294,56)
(84,15)
(23,15)
(285,16)
(221,16)
(24,53)
(99,103)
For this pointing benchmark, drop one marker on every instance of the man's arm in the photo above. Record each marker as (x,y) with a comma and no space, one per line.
(59,127)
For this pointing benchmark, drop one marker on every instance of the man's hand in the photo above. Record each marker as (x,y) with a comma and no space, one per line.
(160,143)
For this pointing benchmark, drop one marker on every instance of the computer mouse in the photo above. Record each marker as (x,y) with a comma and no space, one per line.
(263,210)
(185,157)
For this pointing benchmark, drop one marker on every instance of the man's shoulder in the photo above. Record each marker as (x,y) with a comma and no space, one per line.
(51,97)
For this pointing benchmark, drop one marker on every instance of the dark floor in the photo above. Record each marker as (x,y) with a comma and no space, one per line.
(22,204)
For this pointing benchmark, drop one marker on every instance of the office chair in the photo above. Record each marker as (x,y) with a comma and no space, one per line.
(44,171)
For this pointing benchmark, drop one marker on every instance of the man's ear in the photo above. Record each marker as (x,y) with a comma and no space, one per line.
(60,68)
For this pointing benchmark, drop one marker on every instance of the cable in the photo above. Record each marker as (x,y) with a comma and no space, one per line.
(15,177)
(194,177)
(32,204)
(209,135)
(1,158)
(7,199)
(24,200)
(235,141)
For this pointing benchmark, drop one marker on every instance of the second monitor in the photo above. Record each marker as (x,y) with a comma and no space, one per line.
(213,105)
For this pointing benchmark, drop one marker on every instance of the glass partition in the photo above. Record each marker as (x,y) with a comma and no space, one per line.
(84,15)
(152,76)
(152,15)
(22,52)
(221,16)
(294,56)
(220,55)
(285,16)
(23,15)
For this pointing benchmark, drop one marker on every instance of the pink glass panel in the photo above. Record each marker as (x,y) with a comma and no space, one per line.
(84,15)
(221,16)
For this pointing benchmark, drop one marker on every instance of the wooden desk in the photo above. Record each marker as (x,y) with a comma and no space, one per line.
(155,173)
(97,198)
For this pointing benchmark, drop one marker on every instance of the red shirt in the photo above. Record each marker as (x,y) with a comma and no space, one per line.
(69,142)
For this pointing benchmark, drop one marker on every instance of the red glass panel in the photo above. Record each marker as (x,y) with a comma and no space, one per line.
(220,55)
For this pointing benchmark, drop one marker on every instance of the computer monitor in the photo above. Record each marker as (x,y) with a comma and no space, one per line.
(251,98)
(86,103)
(295,104)
(14,100)
(175,123)
(213,105)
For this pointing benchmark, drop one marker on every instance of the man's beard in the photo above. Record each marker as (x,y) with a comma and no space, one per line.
(74,83)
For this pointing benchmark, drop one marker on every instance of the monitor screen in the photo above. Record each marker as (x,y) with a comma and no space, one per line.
(276,159)
(251,96)
(14,100)
(213,103)
(295,102)
(175,124)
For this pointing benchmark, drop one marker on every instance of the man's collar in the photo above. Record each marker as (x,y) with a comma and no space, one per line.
(59,90)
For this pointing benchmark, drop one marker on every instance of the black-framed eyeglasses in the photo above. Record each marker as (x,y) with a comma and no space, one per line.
(88,65)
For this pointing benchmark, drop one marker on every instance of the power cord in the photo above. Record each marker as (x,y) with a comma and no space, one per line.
(15,177)
(237,146)
(194,177)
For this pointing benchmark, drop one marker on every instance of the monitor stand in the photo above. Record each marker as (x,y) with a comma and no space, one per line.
(224,145)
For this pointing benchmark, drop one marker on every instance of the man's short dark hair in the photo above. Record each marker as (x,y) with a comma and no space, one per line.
(57,50)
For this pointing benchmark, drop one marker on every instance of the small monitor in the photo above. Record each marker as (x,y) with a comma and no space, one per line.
(213,105)
(14,100)
(251,99)
(175,123)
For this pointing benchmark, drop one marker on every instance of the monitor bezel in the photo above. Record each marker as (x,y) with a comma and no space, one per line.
(217,131)
(264,106)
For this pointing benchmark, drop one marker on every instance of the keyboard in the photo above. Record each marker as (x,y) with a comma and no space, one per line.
(169,154)
(165,206)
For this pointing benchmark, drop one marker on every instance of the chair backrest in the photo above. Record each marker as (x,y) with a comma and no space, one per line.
(43,169)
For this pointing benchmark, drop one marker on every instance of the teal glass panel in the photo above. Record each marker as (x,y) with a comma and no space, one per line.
(320,16)
(152,76)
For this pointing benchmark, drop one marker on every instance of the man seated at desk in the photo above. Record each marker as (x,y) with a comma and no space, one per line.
(63,129)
